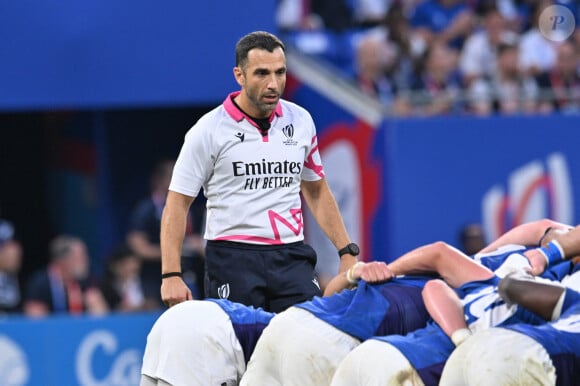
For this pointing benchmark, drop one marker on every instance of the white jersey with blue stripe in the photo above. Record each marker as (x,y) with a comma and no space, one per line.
(394,307)
(561,339)
(494,259)
(248,323)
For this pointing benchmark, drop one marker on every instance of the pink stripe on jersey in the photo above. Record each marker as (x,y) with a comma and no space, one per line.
(296,215)
(310,163)
(274,219)
(256,239)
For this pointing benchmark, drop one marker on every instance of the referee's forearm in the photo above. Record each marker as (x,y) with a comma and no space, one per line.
(173,223)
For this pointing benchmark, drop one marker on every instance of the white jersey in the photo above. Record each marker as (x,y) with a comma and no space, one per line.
(251,181)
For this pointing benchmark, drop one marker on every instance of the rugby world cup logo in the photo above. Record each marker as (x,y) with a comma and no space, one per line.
(224,291)
(288,131)
(538,189)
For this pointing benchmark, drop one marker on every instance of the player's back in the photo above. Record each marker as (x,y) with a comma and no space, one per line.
(394,307)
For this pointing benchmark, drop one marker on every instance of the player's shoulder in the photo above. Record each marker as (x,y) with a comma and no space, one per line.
(208,122)
(294,110)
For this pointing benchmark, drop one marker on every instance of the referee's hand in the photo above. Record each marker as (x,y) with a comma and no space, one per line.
(174,291)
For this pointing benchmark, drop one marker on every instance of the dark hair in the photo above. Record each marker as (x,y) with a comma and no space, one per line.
(258,39)
(120,252)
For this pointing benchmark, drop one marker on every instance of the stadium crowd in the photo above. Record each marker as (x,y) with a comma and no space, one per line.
(130,281)
(435,57)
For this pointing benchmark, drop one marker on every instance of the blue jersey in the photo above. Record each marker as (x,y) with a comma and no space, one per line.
(561,339)
(483,309)
(248,323)
(558,271)
(394,307)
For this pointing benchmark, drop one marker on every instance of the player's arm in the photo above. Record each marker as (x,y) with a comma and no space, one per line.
(455,267)
(324,208)
(372,272)
(173,223)
(557,245)
(525,234)
(543,298)
(446,309)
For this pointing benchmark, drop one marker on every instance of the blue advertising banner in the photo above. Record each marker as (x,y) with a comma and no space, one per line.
(498,171)
(90,54)
(62,350)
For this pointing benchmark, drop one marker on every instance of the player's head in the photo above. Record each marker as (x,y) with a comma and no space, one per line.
(70,255)
(261,72)
(259,39)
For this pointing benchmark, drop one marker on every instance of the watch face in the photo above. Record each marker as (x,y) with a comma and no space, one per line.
(353,249)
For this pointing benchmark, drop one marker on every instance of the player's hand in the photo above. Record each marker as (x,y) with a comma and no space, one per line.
(537,261)
(174,291)
(373,272)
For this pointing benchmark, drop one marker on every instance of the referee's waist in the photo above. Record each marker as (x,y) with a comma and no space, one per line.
(261,247)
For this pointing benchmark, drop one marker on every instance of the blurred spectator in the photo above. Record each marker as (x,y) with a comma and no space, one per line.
(437,87)
(478,58)
(143,236)
(375,61)
(296,15)
(471,239)
(336,15)
(448,21)
(370,13)
(374,58)
(507,92)
(121,286)
(517,13)
(537,54)
(560,86)
(410,47)
(65,285)
(10,260)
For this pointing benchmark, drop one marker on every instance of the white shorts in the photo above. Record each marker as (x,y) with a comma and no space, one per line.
(193,343)
(375,363)
(499,357)
(298,349)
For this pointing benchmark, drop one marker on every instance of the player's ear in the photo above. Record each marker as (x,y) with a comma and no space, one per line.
(239,75)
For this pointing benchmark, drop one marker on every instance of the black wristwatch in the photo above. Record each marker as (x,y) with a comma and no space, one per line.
(351,249)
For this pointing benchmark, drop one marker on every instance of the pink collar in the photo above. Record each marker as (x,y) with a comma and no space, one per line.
(239,115)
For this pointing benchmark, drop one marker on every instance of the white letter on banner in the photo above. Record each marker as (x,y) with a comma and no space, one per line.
(125,371)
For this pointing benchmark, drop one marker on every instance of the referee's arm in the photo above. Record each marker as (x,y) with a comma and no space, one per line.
(173,223)
(324,208)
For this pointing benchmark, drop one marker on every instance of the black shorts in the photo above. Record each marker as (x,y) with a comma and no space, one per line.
(273,277)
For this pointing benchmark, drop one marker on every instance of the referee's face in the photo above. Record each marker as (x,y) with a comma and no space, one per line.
(262,78)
